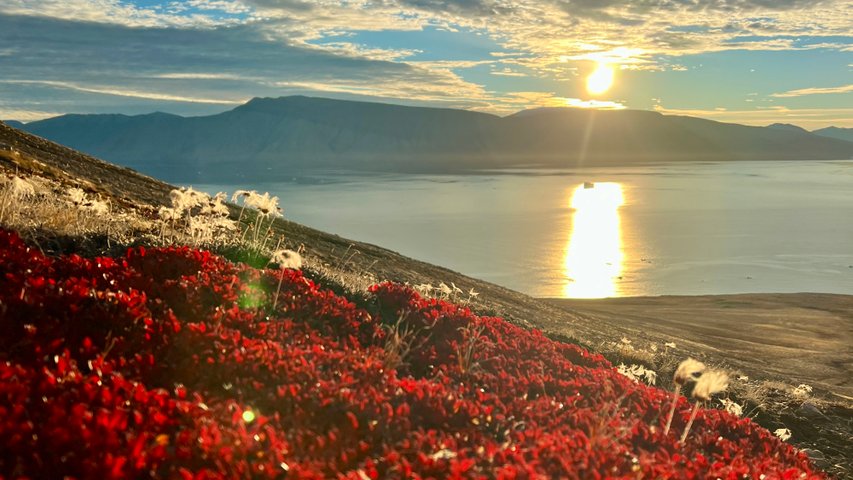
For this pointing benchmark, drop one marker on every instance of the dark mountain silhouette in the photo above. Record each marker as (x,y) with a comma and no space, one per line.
(787,127)
(270,138)
(14,124)
(836,132)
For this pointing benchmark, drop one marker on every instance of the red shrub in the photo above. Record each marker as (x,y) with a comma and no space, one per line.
(172,363)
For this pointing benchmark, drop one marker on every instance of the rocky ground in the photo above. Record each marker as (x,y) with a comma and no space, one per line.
(777,341)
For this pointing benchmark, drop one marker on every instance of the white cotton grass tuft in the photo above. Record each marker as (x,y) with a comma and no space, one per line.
(638,373)
(185,199)
(264,204)
(687,371)
(14,188)
(98,207)
(287,259)
(215,206)
(20,187)
(168,214)
(803,390)
(242,194)
(783,433)
(735,409)
(711,382)
(76,195)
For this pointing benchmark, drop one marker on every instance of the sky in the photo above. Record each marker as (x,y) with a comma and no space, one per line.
(746,61)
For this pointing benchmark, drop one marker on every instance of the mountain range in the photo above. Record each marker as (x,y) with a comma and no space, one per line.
(277,138)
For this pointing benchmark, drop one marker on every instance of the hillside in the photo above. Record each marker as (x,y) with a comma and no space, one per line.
(278,138)
(821,422)
(836,132)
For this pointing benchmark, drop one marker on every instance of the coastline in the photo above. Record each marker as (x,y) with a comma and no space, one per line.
(804,337)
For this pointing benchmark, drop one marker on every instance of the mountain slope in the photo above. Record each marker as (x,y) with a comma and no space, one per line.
(274,138)
(836,132)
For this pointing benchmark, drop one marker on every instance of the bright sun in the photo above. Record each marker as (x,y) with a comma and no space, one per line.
(600,80)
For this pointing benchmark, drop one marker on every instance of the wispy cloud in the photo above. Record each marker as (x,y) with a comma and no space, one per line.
(808,118)
(121,92)
(216,52)
(814,91)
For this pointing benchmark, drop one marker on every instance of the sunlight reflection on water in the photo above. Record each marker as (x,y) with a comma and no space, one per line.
(594,253)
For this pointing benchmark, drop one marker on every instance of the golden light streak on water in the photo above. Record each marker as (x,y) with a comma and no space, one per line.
(594,253)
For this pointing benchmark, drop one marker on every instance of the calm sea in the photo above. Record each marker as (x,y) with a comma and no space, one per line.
(697,228)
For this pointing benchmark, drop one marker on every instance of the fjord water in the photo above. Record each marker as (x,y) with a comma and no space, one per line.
(675,229)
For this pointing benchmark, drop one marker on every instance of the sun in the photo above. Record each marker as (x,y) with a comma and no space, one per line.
(600,80)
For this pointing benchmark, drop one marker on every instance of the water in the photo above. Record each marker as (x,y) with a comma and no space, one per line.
(684,229)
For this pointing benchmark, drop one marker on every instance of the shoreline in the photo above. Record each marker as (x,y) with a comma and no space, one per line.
(801,336)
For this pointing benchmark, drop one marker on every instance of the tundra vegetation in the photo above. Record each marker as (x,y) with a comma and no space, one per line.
(101,359)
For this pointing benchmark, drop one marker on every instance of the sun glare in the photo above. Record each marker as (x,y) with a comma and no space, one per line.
(593,262)
(600,80)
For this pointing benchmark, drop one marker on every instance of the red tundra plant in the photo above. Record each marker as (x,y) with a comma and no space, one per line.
(176,363)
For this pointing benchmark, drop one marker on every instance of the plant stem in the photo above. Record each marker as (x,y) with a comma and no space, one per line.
(672,408)
(690,422)
(278,290)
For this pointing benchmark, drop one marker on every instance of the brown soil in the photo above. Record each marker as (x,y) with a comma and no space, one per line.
(779,341)
(802,338)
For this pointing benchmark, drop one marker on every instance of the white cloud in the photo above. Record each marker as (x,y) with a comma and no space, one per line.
(122,92)
(8,113)
(189,51)
(118,12)
(814,91)
(808,118)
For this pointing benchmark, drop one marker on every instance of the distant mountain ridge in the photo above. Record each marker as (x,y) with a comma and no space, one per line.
(271,138)
(836,132)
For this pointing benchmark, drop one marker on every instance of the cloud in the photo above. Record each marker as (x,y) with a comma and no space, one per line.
(218,66)
(204,54)
(122,92)
(507,72)
(814,91)
(25,115)
(808,118)
(220,12)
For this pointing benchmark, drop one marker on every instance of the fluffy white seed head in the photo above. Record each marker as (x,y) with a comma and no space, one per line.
(783,433)
(287,259)
(186,198)
(711,382)
(803,390)
(687,371)
(76,195)
(215,206)
(98,207)
(168,214)
(242,194)
(264,204)
(20,188)
(638,373)
(732,407)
